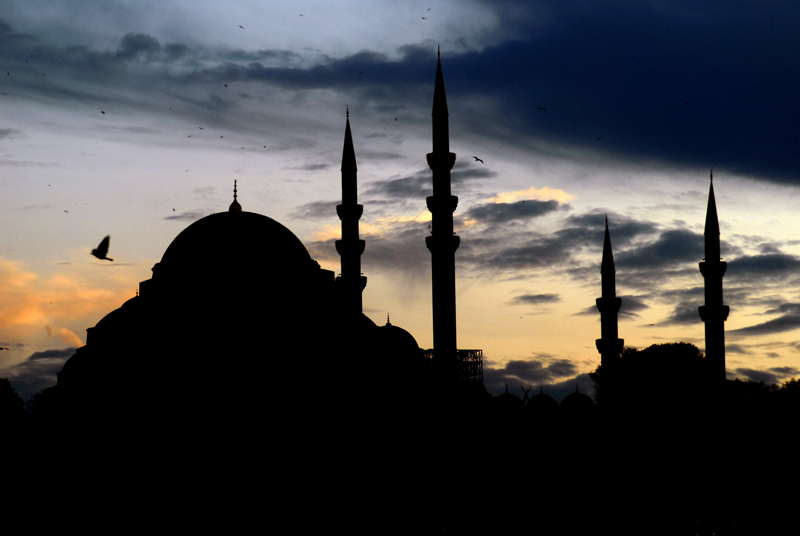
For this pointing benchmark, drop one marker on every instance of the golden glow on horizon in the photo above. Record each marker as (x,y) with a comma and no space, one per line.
(541,194)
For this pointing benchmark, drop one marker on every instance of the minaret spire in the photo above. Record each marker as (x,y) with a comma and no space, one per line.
(442,243)
(714,313)
(609,344)
(350,247)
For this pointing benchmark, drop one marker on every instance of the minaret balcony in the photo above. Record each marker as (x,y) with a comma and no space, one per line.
(350,247)
(436,203)
(608,305)
(349,212)
(438,161)
(714,312)
(713,268)
(442,243)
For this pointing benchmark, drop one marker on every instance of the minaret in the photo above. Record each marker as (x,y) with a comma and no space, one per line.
(351,283)
(714,313)
(609,344)
(442,242)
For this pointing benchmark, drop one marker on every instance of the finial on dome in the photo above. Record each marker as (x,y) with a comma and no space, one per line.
(347,113)
(712,174)
(387,320)
(235,206)
(438,51)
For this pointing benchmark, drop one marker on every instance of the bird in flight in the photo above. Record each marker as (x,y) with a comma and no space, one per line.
(226,85)
(101,250)
(478,159)
(102,112)
(201,128)
(540,108)
(242,27)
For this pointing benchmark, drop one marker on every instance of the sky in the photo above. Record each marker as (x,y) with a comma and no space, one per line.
(133,118)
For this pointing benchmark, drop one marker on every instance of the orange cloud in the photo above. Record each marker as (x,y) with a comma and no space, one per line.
(542,194)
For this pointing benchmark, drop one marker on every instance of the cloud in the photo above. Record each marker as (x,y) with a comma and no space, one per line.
(770,376)
(64,335)
(494,213)
(316,210)
(772,265)
(542,194)
(672,247)
(788,321)
(37,371)
(188,215)
(531,372)
(10,133)
(535,299)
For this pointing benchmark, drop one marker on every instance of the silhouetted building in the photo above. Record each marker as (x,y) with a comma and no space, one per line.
(442,242)
(714,313)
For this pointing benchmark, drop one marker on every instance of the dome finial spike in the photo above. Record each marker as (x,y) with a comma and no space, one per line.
(235,206)
(387,320)
(438,51)
(711,174)
(347,113)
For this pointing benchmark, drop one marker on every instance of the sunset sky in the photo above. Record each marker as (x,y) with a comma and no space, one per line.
(133,118)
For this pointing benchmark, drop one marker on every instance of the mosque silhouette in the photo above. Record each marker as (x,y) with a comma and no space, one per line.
(244,381)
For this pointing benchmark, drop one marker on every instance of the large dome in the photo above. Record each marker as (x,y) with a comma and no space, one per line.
(227,236)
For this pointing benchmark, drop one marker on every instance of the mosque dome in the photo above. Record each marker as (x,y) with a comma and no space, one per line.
(223,237)
(577,402)
(542,403)
(397,340)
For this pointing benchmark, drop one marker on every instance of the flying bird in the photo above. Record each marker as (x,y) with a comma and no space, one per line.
(4,348)
(201,128)
(102,112)
(226,85)
(101,250)
(242,27)
(540,108)
(478,159)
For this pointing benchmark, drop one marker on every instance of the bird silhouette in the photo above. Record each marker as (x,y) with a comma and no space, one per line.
(3,348)
(201,128)
(102,112)
(226,85)
(478,159)
(242,27)
(101,250)
(540,108)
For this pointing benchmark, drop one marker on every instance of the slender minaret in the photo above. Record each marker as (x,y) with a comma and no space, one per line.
(609,344)
(442,242)
(351,283)
(714,313)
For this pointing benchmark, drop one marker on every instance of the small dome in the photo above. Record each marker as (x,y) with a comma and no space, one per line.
(542,402)
(577,402)
(397,341)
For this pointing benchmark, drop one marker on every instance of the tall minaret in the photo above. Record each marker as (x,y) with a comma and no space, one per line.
(714,313)
(351,283)
(442,243)
(609,344)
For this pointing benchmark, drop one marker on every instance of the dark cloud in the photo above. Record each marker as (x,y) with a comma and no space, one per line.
(630,307)
(788,321)
(556,379)
(530,372)
(683,314)
(313,167)
(10,133)
(494,213)
(671,248)
(770,376)
(535,299)
(317,210)
(38,371)
(692,85)
(188,215)
(771,264)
